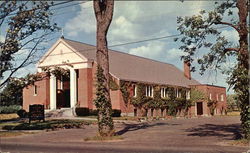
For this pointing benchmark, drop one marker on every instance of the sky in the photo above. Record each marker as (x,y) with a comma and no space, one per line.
(135,21)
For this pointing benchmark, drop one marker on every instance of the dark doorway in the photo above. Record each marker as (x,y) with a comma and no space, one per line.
(63,93)
(199,108)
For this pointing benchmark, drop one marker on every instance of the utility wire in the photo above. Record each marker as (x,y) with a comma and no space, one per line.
(61,3)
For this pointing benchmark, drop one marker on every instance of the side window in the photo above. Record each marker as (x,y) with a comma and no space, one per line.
(35,90)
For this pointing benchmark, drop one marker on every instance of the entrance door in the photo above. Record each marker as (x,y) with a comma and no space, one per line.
(199,108)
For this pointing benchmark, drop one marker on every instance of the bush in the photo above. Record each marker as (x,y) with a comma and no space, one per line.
(116,113)
(82,111)
(93,112)
(22,113)
(10,109)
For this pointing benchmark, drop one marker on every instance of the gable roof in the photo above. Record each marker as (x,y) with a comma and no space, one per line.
(134,68)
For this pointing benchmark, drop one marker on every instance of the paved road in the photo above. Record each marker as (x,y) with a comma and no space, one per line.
(208,135)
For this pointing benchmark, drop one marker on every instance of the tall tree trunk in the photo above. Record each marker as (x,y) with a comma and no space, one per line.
(104,13)
(242,87)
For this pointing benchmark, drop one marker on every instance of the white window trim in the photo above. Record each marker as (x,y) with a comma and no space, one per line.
(188,94)
(164,93)
(151,93)
(210,96)
(221,97)
(135,90)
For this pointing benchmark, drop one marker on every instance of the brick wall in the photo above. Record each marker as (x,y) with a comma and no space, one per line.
(42,96)
(214,93)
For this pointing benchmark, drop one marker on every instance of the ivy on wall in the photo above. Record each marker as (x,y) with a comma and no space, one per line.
(196,95)
(171,102)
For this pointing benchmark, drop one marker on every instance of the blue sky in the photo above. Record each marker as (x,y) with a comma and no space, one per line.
(134,21)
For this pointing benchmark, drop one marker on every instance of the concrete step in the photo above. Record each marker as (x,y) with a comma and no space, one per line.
(63,112)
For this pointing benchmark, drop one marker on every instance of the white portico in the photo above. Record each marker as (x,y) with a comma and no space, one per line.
(64,56)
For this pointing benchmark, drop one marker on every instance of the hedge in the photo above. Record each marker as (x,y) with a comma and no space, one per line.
(84,111)
(10,109)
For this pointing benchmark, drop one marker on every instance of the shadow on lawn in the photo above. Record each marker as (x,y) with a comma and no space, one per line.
(135,127)
(229,132)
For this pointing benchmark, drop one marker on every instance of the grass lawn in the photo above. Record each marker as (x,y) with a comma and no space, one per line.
(48,124)
(8,117)
(234,113)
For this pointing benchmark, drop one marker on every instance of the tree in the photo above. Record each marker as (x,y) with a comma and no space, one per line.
(12,94)
(25,25)
(103,13)
(232,102)
(197,32)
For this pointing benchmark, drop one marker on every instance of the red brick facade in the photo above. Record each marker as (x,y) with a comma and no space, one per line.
(42,95)
(86,94)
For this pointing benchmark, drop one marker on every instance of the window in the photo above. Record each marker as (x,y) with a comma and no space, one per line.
(149,91)
(134,90)
(164,93)
(210,96)
(35,90)
(221,97)
(188,94)
(217,97)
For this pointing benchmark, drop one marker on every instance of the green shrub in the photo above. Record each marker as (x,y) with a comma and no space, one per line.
(82,111)
(116,113)
(22,113)
(10,109)
(93,112)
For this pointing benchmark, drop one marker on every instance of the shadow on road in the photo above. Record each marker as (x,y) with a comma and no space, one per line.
(229,132)
(135,127)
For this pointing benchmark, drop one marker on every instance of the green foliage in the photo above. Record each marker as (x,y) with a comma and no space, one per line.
(26,25)
(196,95)
(212,104)
(50,124)
(82,111)
(116,113)
(124,87)
(10,109)
(232,103)
(156,102)
(140,98)
(22,113)
(112,84)
(12,93)
(200,32)
(58,72)
(103,105)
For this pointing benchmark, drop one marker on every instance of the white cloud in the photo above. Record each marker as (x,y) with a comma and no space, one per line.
(174,54)
(153,50)
(84,22)
(231,35)
(135,20)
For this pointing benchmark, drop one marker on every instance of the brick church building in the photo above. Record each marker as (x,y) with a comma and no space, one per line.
(79,89)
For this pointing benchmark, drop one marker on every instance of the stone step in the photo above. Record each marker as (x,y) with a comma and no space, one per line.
(63,112)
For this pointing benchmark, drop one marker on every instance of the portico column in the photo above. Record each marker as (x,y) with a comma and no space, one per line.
(73,88)
(52,92)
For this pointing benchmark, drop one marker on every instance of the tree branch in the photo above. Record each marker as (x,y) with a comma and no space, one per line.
(21,65)
(229,24)
(231,49)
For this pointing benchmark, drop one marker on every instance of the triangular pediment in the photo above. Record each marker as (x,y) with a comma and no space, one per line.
(60,54)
